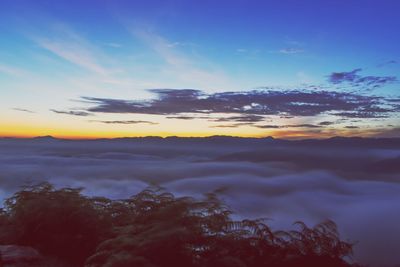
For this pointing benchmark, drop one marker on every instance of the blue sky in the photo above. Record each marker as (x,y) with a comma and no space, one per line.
(54,52)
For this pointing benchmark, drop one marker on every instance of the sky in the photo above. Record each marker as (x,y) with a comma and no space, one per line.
(288,69)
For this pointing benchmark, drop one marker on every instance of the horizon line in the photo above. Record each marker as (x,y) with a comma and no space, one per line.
(192,137)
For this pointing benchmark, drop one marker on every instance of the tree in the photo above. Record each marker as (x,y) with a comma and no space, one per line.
(156,229)
(62,223)
(166,231)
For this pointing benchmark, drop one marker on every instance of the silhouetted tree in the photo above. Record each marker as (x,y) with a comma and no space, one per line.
(156,229)
(167,231)
(63,222)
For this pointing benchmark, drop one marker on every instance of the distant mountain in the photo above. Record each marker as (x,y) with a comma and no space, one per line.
(45,138)
(337,141)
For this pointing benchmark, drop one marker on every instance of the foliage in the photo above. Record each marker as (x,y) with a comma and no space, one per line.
(60,222)
(156,229)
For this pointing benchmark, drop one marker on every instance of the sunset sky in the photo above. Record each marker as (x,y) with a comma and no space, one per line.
(289,69)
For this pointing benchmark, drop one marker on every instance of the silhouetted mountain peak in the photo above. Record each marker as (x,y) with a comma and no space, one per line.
(45,138)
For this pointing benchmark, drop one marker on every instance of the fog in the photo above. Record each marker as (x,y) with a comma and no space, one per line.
(355,182)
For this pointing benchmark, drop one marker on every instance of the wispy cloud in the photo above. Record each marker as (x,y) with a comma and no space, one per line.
(234,125)
(11,71)
(187,117)
(24,110)
(326,123)
(177,44)
(189,69)
(114,45)
(126,122)
(73,48)
(291,50)
(72,112)
(386,63)
(241,50)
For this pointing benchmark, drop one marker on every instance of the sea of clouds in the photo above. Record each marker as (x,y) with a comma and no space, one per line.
(354,183)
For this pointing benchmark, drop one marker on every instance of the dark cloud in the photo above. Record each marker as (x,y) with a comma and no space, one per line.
(125,122)
(235,125)
(186,117)
(268,126)
(355,79)
(326,123)
(72,112)
(256,102)
(286,117)
(244,118)
(375,81)
(351,127)
(304,126)
(339,77)
(288,126)
(393,100)
(24,110)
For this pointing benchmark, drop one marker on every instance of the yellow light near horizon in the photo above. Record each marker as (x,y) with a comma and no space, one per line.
(60,131)
(73,127)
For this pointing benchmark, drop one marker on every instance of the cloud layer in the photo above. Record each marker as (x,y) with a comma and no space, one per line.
(352,181)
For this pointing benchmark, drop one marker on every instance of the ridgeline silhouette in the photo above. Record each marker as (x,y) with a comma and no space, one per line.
(156,229)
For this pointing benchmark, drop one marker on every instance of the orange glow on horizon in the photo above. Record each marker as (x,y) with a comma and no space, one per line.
(90,135)
(69,129)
